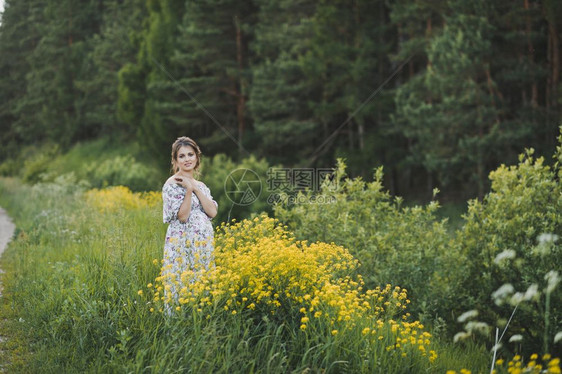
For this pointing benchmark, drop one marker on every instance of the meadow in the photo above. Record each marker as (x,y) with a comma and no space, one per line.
(363,285)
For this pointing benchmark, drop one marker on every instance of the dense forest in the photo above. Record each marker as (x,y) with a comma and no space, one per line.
(440,92)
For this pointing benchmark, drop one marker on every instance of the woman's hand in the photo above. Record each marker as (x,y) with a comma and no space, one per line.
(185,182)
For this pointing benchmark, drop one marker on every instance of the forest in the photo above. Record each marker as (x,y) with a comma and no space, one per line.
(439,92)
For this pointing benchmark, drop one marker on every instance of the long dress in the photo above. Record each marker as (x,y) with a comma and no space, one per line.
(188,248)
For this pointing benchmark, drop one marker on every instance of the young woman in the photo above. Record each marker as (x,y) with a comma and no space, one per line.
(188,209)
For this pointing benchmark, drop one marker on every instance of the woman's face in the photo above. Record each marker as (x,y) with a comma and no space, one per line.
(186,159)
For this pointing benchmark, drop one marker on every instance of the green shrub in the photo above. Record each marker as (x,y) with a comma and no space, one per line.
(98,163)
(215,173)
(37,161)
(9,167)
(503,242)
(404,246)
(122,171)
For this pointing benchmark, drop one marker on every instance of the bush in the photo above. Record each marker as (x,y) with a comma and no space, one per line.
(37,162)
(405,246)
(122,171)
(503,242)
(215,173)
(98,164)
(9,167)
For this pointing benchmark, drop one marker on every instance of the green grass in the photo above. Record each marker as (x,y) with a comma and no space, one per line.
(72,277)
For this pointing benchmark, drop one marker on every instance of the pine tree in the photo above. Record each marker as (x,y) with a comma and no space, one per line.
(18,37)
(350,58)
(280,94)
(312,80)
(138,80)
(109,50)
(453,110)
(47,109)
(204,90)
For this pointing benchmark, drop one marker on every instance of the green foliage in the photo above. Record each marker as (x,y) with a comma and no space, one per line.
(111,49)
(317,74)
(405,246)
(47,109)
(295,81)
(280,92)
(9,167)
(73,278)
(122,171)
(524,204)
(97,164)
(463,112)
(509,238)
(37,162)
(215,174)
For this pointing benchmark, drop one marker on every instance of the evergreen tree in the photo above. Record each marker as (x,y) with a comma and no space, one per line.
(47,110)
(312,82)
(204,90)
(352,41)
(112,48)
(477,101)
(280,94)
(138,80)
(18,36)
(452,110)
(415,24)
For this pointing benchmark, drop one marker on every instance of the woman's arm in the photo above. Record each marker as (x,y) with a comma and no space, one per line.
(185,207)
(208,205)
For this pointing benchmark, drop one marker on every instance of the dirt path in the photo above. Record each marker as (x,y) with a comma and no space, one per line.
(6,231)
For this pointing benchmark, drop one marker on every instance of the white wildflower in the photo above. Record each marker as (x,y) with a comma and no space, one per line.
(547,238)
(481,327)
(502,292)
(557,337)
(553,278)
(532,292)
(516,298)
(545,244)
(516,338)
(467,315)
(508,254)
(461,336)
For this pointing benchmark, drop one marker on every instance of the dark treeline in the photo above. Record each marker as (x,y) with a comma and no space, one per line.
(464,85)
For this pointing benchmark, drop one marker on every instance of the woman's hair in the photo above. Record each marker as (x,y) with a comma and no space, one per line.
(183,141)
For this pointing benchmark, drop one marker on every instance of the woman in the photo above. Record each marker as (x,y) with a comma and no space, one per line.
(188,209)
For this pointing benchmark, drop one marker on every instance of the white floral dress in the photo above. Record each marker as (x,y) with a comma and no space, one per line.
(189,245)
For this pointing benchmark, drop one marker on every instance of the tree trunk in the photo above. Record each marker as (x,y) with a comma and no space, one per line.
(70,25)
(361,134)
(553,76)
(555,58)
(530,52)
(241,103)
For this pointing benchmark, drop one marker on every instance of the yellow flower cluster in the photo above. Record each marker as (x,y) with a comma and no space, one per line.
(261,268)
(517,366)
(116,198)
